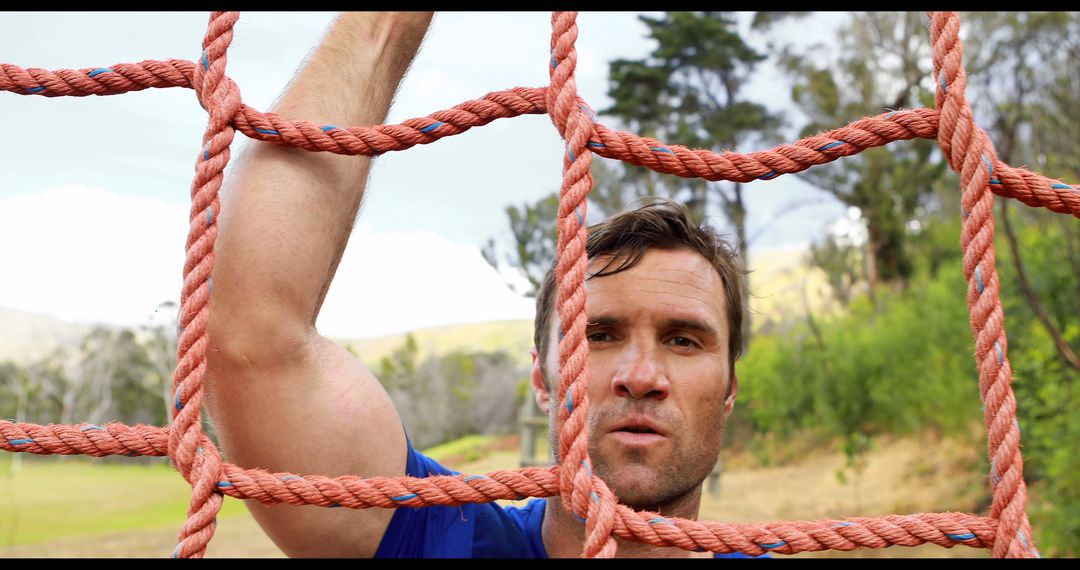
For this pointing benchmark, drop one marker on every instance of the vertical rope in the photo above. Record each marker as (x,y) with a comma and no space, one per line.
(587,496)
(971,154)
(191,451)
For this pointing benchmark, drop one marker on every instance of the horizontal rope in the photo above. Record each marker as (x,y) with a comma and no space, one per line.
(787,537)
(1028,187)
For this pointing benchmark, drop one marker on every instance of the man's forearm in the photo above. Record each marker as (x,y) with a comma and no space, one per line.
(287,213)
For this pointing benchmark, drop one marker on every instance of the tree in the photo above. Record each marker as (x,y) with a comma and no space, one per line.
(1024,68)
(880,63)
(687,91)
(535,234)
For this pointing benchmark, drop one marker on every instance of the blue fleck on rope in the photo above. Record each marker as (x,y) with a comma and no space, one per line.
(19,441)
(661,149)
(471,477)
(266,131)
(403,497)
(660,520)
(98,71)
(585,464)
(844,523)
(578,215)
(1000,354)
(179,388)
(1060,186)
(35,89)
(990,169)
(91,427)
(570,153)
(209,215)
(589,112)
(959,537)
(941,79)
(768,175)
(224,484)
(432,127)
(772,545)
(205,61)
(328,128)
(832,145)
(595,144)
(978,278)
(889,115)
(569,401)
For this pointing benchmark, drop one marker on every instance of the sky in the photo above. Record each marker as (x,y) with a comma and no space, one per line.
(94,193)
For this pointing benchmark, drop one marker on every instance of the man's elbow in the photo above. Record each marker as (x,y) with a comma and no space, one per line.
(266,339)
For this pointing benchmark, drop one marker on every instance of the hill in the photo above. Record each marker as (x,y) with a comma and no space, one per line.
(26,336)
(781,286)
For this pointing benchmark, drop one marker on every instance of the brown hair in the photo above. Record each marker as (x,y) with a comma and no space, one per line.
(651,223)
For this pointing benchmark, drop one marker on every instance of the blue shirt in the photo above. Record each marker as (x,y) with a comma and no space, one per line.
(473,530)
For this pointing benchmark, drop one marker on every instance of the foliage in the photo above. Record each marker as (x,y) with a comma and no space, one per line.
(457,394)
(878,62)
(687,91)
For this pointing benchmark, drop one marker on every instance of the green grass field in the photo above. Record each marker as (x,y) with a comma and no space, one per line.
(41,501)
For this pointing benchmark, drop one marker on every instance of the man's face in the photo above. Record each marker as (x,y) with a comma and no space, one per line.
(659,373)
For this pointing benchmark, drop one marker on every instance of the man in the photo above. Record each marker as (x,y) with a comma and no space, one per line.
(664,307)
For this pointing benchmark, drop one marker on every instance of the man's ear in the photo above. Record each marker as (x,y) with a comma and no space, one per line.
(729,404)
(536,375)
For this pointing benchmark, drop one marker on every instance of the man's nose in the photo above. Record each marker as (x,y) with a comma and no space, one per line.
(640,374)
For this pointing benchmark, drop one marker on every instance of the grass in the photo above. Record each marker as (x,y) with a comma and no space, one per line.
(463,450)
(41,501)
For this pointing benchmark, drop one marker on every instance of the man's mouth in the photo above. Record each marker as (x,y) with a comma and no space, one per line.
(639,431)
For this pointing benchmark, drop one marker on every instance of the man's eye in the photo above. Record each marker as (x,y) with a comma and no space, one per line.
(598,337)
(682,341)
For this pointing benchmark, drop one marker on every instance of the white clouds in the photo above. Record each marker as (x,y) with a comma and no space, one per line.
(82,253)
(86,254)
(394,282)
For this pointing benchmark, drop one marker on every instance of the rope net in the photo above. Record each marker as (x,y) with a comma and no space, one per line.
(967,148)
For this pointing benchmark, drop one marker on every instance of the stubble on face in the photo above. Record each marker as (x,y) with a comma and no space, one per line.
(668,482)
(655,479)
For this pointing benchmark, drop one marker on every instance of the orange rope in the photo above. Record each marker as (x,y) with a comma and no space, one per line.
(968,151)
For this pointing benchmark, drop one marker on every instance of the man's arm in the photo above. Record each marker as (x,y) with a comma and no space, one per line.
(283,397)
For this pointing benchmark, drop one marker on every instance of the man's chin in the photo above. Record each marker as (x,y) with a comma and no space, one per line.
(645,489)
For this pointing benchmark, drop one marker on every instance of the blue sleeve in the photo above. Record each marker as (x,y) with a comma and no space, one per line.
(466,531)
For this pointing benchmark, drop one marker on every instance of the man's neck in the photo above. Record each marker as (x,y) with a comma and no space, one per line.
(564,534)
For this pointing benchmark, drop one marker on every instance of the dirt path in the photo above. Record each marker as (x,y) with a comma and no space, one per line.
(902,476)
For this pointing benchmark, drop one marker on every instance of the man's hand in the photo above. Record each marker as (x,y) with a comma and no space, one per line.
(281,396)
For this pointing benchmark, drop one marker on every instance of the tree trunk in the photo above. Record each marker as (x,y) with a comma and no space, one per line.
(738,219)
